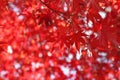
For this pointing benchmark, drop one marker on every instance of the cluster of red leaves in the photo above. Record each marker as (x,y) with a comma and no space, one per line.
(60,40)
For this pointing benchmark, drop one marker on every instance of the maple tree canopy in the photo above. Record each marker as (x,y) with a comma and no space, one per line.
(59,39)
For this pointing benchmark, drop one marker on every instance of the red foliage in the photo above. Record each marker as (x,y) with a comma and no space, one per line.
(59,39)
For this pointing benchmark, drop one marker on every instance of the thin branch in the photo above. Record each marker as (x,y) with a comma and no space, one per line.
(56,11)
